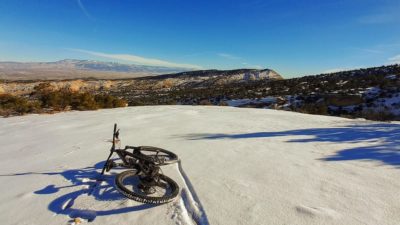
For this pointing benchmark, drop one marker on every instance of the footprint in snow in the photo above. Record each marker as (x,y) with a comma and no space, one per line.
(315,211)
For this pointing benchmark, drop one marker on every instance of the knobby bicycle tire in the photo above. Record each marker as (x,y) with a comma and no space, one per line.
(141,197)
(172,157)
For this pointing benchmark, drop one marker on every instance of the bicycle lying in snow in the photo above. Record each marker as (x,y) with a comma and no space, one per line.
(143,181)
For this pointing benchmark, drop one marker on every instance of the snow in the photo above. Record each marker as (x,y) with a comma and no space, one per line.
(391,77)
(239,166)
(341,82)
(392,103)
(372,92)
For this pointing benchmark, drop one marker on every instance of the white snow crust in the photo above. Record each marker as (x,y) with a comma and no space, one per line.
(239,166)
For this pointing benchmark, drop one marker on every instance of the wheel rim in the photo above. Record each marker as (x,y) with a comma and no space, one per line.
(161,156)
(128,184)
(132,183)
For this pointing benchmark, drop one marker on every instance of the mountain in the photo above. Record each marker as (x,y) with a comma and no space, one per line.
(239,166)
(209,78)
(243,74)
(372,93)
(75,69)
(114,67)
(72,69)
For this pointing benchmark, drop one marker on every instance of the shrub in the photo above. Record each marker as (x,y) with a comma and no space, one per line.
(60,100)
(137,102)
(48,100)
(311,108)
(223,103)
(344,100)
(84,101)
(205,102)
(380,115)
(109,101)
(43,87)
(14,105)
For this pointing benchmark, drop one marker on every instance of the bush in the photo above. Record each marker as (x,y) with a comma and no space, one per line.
(380,115)
(344,100)
(14,105)
(205,102)
(223,103)
(60,100)
(84,101)
(109,101)
(56,101)
(310,108)
(137,102)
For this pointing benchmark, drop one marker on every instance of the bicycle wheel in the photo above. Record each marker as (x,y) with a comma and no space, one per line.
(127,183)
(161,156)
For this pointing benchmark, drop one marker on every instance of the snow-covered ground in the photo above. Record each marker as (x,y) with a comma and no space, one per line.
(239,166)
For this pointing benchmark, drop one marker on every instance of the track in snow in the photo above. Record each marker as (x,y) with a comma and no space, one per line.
(189,203)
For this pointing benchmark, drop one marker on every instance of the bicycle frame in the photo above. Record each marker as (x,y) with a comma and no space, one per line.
(142,163)
(140,159)
(112,150)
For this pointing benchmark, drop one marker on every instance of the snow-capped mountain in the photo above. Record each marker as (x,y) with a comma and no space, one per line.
(72,68)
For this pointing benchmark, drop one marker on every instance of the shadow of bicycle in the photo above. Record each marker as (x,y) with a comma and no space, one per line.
(85,183)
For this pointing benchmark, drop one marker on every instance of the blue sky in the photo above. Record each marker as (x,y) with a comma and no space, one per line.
(293,37)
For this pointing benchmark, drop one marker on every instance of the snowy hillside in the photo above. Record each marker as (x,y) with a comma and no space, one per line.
(239,166)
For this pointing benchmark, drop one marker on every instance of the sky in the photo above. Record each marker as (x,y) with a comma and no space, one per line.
(292,37)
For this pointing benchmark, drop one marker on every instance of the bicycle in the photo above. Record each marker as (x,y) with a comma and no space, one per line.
(144,180)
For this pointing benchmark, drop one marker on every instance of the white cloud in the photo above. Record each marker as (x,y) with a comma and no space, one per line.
(370,50)
(228,56)
(394,59)
(83,9)
(137,59)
